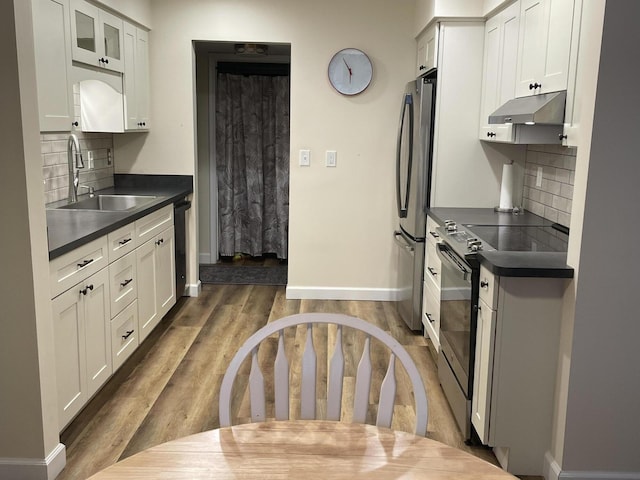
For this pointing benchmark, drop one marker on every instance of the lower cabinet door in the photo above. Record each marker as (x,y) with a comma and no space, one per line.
(146,268)
(97,330)
(483,371)
(166,274)
(69,344)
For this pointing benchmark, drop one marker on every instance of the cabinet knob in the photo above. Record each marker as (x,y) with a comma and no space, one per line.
(491,134)
(428,315)
(484,284)
(535,86)
(128,334)
(75,124)
(432,271)
(562,137)
(422,67)
(126,282)
(159,242)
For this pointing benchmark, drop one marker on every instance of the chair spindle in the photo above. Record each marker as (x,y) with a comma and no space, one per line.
(363,384)
(281,381)
(308,385)
(256,389)
(336,376)
(387,395)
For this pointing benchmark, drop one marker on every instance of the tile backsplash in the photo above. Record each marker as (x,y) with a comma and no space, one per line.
(98,173)
(552,197)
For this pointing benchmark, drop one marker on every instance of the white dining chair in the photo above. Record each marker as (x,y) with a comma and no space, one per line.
(335,374)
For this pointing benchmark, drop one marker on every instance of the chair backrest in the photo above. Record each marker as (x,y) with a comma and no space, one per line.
(335,374)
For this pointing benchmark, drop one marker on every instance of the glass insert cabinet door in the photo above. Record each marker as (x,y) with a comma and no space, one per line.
(97,36)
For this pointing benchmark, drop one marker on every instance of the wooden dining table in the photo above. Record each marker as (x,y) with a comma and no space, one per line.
(304,450)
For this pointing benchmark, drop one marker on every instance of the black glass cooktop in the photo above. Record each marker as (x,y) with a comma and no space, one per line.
(522,238)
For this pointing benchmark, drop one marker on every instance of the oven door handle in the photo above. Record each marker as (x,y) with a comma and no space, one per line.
(447,255)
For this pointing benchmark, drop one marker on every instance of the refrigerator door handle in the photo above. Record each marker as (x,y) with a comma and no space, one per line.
(402,242)
(407,102)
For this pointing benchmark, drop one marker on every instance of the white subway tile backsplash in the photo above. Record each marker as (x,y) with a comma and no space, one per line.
(551,200)
(53,147)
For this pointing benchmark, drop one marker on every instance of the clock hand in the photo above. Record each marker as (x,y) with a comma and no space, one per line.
(348,68)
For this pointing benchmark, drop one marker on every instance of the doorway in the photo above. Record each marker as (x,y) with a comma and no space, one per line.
(243,161)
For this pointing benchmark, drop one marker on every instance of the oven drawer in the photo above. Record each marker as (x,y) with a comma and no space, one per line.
(488,287)
(433,267)
(431,315)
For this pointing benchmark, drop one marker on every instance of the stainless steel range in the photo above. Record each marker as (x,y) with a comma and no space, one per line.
(460,276)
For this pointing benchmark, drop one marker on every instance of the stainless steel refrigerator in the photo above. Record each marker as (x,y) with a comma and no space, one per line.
(413,191)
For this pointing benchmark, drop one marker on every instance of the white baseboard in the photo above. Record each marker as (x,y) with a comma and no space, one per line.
(342,293)
(35,468)
(193,290)
(205,258)
(552,471)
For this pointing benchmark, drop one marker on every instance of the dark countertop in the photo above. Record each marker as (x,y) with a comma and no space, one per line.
(508,263)
(69,229)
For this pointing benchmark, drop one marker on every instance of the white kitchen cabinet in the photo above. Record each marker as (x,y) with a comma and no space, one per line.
(52,45)
(499,71)
(97,36)
(570,132)
(155,265)
(431,285)
(483,370)
(427,50)
(515,367)
(82,341)
(124,334)
(123,282)
(136,77)
(122,241)
(544,46)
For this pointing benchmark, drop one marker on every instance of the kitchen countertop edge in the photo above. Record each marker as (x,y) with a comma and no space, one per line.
(65,235)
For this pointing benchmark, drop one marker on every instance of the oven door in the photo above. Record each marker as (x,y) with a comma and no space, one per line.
(456,307)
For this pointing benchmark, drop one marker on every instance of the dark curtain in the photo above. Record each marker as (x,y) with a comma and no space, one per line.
(252,163)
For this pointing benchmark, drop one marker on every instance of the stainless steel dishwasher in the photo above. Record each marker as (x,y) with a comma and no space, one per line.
(180,208)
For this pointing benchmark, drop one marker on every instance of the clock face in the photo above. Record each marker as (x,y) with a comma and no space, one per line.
(350,71)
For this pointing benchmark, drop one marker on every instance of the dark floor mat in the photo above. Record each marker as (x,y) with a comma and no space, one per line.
(243,274)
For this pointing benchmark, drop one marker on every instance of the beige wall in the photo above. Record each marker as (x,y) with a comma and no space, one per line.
(341,219)
(28,404)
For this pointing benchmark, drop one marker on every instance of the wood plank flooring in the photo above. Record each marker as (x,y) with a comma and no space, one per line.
(169,387)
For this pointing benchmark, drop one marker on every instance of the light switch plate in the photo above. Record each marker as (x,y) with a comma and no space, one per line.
(331,158)
(305,158)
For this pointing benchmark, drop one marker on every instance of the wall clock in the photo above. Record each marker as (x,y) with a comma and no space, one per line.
(350,71)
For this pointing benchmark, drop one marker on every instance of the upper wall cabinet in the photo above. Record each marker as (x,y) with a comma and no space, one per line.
(427,50)
(97,36)
(136,77)
(544,46)
(52,43)
(499,70)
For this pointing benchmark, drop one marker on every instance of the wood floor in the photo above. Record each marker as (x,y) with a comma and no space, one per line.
(169,387)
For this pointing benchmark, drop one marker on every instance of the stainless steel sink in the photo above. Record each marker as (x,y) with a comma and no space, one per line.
(111,203)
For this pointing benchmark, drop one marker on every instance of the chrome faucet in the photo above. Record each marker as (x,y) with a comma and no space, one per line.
(74,176)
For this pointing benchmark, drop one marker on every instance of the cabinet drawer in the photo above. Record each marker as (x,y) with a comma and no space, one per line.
(77,265)
(488,287)
(124,334)
(124,285)
(122,241)
(154,223)
(433,268)
(431,316)
(432,235)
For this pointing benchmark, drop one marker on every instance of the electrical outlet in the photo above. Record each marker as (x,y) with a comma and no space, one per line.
(90,158)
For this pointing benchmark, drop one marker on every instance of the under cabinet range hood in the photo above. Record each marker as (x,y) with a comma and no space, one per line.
(543,109)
